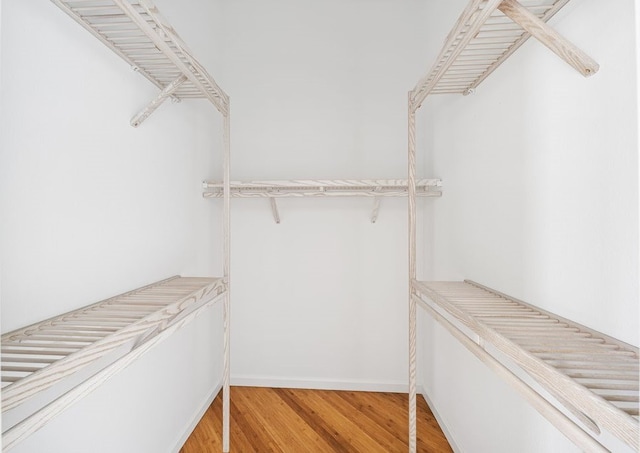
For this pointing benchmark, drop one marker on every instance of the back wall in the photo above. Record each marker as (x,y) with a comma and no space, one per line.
(319,91)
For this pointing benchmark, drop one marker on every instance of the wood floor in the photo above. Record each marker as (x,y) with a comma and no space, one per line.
(307,421)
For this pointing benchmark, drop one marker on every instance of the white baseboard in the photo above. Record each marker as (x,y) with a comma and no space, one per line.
(196,418)
(443,426)
(350,385)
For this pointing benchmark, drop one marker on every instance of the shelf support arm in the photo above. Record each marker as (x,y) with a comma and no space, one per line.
(557,43)
(376,206)
(274,209)
(157,102)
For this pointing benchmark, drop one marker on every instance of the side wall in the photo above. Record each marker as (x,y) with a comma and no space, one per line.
(540,171)
(92,207)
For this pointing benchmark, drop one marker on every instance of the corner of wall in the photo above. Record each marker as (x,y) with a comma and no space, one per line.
(197,416)
(441,421)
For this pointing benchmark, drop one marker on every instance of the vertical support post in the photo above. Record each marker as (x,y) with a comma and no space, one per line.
(226,386)
(411,186)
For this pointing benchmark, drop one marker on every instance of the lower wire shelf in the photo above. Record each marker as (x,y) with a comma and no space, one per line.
(39,356)
(594,376)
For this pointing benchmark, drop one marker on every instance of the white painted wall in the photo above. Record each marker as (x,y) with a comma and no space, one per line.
(540,169)
(92,207)
(319,91)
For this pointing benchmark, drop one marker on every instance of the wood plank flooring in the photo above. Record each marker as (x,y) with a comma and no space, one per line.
(313,421)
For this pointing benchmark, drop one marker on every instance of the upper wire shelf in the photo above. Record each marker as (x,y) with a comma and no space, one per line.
(137,32)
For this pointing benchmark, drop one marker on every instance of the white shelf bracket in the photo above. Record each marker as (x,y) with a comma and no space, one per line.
(274,209)
(157,102)
(375,189)
(376,206)
(557,43)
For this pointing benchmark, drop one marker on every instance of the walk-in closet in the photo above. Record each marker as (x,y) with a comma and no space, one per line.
(350,225)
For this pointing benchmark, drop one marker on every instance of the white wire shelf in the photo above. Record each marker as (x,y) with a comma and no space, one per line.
(485,35)
(323,188)
(592,375)
(136,31)
(36,357)
(371,188)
